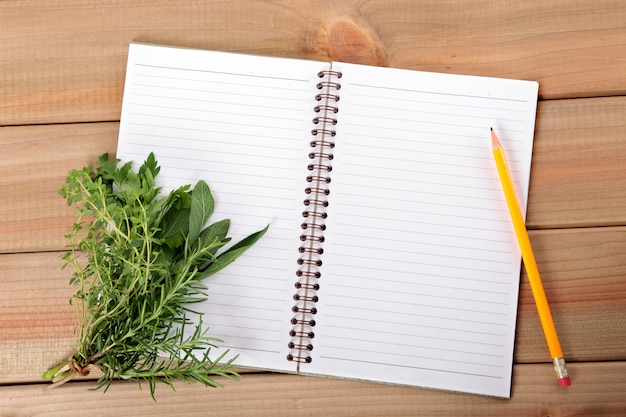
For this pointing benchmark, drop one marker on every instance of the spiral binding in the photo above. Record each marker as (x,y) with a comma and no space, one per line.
(314,215)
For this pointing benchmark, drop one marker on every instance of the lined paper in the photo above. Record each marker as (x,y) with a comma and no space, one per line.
(240,123)
(421,268)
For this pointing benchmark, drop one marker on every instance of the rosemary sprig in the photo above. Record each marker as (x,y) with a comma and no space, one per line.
(139,261)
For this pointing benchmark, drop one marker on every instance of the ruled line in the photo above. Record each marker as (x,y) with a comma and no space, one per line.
(419,233)
(476,345)
(405,365)
(206,71)
(423,368)
(364,340)
(421,110)
(382,324)
(436,93)
(222,82)
(218,102)
(342,295)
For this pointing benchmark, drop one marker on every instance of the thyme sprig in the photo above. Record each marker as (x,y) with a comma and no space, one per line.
(139,262)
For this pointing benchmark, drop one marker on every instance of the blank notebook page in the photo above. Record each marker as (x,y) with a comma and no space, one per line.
(420,273)
(242,124)
(421,267)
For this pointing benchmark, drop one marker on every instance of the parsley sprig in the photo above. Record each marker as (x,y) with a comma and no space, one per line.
(139,263)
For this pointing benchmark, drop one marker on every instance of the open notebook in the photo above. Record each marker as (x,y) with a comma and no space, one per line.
(390,254)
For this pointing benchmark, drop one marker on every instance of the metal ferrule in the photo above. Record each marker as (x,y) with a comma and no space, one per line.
(559,367)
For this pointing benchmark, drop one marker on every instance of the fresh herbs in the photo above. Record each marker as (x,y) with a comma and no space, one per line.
(139,260)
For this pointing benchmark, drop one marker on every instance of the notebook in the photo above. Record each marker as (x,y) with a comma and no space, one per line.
(390,254)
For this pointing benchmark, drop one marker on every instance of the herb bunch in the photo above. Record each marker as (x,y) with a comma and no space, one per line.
(139,261)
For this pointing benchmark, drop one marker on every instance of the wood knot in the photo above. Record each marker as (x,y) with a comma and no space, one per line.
(348,40)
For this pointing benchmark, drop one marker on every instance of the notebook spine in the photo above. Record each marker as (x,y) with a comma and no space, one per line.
(314,216)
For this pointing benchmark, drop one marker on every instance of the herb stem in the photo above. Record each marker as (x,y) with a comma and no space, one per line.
(137,259)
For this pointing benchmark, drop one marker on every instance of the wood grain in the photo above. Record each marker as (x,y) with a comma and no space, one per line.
(597,390)
(37,322)
(64,61)
(583,274)
(62,66)
(35,217)
(582,270)
(577,176)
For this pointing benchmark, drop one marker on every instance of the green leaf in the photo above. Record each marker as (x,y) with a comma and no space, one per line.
(215,231)
(202,205)
(52,372)
(149,169)
(174,241)
(136,259)
(234,252)
(175,222)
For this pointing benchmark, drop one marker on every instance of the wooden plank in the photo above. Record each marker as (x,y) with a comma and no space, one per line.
(578,176)
(34,217)
(37,322)
(597,390)
(582,269)
(64,61)
(583,274)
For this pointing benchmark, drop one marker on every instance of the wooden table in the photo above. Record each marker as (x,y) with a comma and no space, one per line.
(62,69)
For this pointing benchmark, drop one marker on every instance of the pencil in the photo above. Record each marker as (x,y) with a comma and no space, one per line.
(529,262)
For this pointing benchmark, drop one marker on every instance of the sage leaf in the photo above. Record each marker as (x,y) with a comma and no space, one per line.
(137,260)
(216,231)
(175,223)
(234,252)
(202,205)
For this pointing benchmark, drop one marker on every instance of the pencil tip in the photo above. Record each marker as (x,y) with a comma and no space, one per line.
(495,143)
(491,128)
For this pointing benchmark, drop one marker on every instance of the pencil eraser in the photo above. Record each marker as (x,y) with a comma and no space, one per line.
(565,382)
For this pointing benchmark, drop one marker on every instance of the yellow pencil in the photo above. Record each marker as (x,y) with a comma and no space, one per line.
(529,262)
